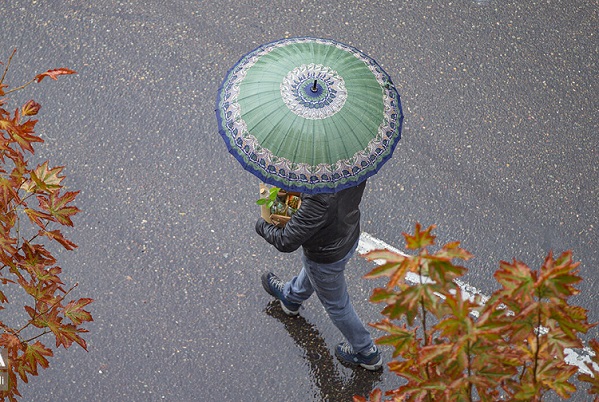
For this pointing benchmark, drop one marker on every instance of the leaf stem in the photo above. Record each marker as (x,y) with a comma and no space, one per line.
(538,336)
(424,329)
(469,372)
(422,307)
(37,336)
(21,87)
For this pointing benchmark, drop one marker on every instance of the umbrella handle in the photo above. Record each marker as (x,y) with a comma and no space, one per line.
(314,88)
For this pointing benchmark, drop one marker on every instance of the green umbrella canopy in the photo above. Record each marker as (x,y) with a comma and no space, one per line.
(309,115)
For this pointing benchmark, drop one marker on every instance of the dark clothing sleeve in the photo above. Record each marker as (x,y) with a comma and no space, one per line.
(326,226)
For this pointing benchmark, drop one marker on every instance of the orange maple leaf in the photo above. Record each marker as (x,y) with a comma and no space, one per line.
(56,205)
(57,235)
(54,73)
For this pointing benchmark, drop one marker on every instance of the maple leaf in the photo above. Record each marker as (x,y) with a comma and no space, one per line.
(420,239)
(386,255)
(67,334)
(31,108)
(75,312)
(452,250)
(35,354)
(404,340)
(414,373)
(555,374)
(571,319)
(442,271)
(54,74)
(57,236)
(557,341)
(7,124)
(46,179)
(23,133)
(516,279)
(380,295)
(37,216)
(387,269)
(557,277)
(11,342)
(7,191)
(35,256)
(395,268)
(57,207)
(459,321)
(7,244)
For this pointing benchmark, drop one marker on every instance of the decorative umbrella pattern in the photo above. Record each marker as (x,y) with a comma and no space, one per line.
(309,115)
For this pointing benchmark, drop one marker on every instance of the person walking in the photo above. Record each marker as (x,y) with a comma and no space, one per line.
(327,227)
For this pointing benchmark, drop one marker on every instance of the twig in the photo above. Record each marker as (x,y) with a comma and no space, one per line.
(21,87)
(7,65)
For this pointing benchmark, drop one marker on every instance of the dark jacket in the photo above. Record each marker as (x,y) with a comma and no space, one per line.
(326,225)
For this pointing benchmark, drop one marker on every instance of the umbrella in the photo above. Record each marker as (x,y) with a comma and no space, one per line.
(309,115)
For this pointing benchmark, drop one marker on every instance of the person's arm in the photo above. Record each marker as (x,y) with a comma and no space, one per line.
(308,219)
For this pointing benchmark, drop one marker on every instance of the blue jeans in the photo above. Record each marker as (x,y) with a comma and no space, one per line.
(328,281)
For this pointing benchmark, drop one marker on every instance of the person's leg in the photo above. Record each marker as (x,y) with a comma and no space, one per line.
(299,288)
(328,280)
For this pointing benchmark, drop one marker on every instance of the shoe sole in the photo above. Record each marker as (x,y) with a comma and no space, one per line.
(371,367)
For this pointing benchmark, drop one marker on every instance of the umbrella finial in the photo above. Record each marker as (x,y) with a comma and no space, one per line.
(314,87)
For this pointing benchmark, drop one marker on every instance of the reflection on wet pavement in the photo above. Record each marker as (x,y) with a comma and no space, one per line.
(331,383)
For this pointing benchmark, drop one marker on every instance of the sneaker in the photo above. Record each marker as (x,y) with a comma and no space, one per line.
(274,287)
(370,359)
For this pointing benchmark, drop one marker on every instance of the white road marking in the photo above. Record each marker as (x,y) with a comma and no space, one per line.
(579,357)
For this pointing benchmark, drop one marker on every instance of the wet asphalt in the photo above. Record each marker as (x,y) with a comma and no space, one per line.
(499,150)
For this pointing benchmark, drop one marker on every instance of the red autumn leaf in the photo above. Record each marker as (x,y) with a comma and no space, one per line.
(56,206)
(7,244)
(57,236)
(558,276)
(36,217)
(54,73)
(404,340)
(35,256)
(10,342)
(516,279)
(67,334)
(74,311)
(35,354)
(388,256)
(7,191)
(421,238)
(380,295)
(23,134)
(31,108)
(452,250)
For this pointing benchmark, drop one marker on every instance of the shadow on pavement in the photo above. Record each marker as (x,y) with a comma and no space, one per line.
(331,383)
